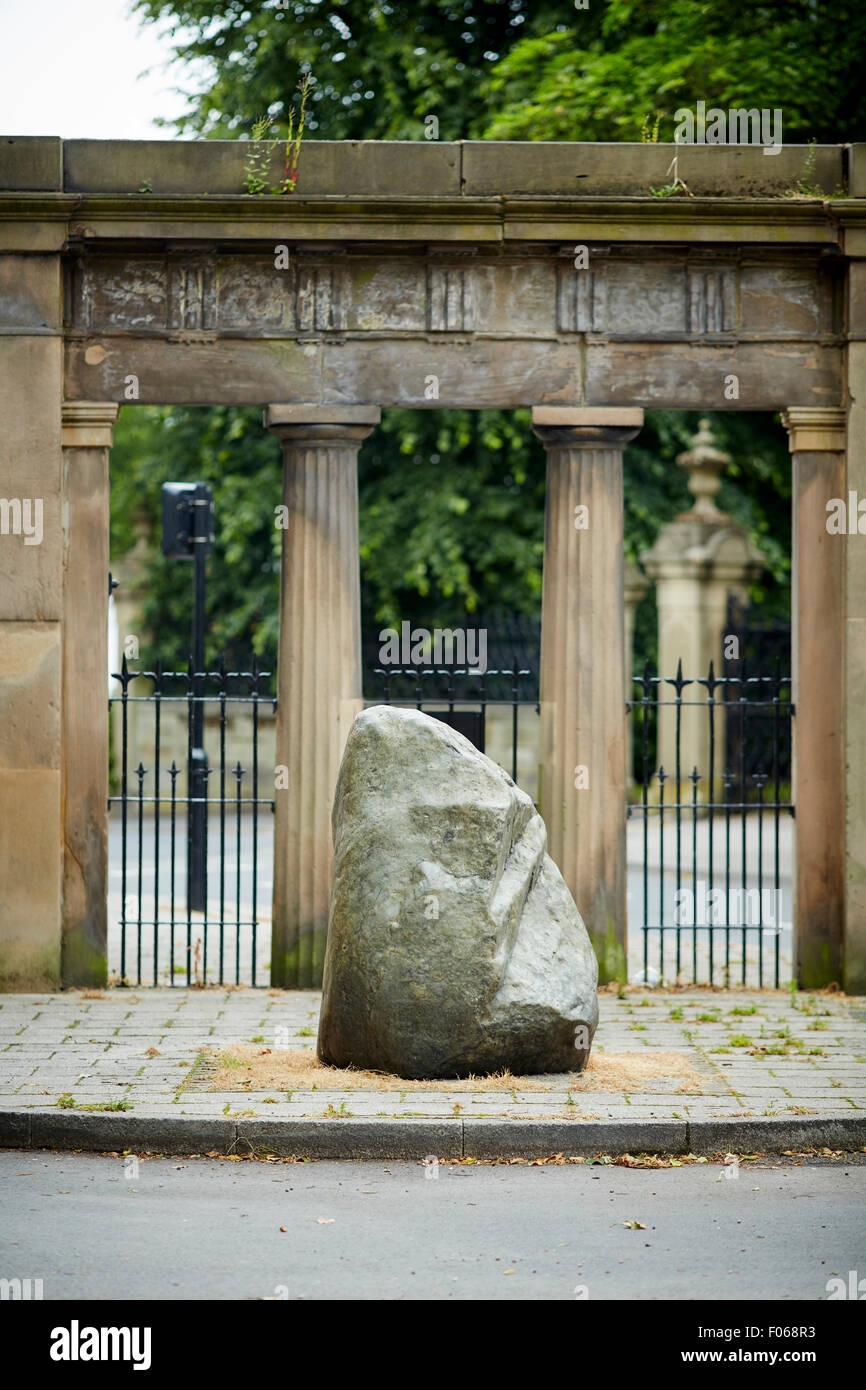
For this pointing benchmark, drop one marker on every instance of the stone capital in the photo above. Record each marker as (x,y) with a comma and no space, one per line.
(326,425)
(815,429)
(586,427)
(88,424)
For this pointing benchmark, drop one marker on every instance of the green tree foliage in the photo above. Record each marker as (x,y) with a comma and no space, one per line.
(451,517)
(518,69)
(380,68)
(229,449)
(571,84)
(451,514)
(464,492)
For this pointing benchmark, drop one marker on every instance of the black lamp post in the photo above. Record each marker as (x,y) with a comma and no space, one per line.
(187,534)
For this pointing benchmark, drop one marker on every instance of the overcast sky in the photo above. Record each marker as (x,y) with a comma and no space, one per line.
(71,68)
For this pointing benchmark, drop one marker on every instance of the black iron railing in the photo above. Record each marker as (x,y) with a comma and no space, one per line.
(705,866)
(161,904)
(466,698)
(764,647)
(719,840)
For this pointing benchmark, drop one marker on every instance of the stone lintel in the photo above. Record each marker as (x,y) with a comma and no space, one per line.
(422,168)
(815,429)
(857,170)
(32,162)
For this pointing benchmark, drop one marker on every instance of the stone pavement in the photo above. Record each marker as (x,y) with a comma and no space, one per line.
(121,1068)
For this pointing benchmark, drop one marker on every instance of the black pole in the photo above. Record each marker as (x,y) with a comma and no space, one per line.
(187,534)
(198,766)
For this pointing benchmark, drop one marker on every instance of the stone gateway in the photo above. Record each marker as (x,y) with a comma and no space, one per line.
(454,946)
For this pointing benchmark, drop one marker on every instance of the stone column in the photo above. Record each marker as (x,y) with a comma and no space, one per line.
(31,607)
(854,757)
(583,719)
(817,442)
(698,559)
(319,680)
(86,438)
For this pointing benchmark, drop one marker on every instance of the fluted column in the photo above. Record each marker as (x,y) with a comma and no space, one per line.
(319,677)
(817,441)
(854,579)
(87,428)
(583,719)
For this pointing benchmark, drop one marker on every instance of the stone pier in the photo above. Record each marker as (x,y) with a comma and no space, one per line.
(87,431)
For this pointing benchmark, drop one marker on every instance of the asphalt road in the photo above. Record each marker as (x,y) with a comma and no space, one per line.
(186,1228)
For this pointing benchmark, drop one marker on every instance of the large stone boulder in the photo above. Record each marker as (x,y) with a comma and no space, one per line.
(454,946)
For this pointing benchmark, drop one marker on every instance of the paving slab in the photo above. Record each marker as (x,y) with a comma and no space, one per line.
(776,1070)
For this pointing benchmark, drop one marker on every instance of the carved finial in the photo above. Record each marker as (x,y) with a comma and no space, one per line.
(705,464)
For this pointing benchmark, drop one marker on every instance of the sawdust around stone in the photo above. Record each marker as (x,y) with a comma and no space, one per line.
(299,1069)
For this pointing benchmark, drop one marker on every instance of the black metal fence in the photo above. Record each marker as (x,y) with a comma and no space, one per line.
(763,646)
(209,936)
(462,699)
(709,843)
(716,871)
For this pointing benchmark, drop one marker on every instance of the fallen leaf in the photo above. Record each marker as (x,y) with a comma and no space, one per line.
(283,1229)
(509,1271)
(634,1225)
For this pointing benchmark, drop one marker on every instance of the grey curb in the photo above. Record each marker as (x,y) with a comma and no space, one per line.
(415,1138)
(64,1129)
(14,1129)
(572,1138)
(776,1135)
(354,1138)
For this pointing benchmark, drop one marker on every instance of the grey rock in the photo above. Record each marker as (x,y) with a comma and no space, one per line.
(454,946)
